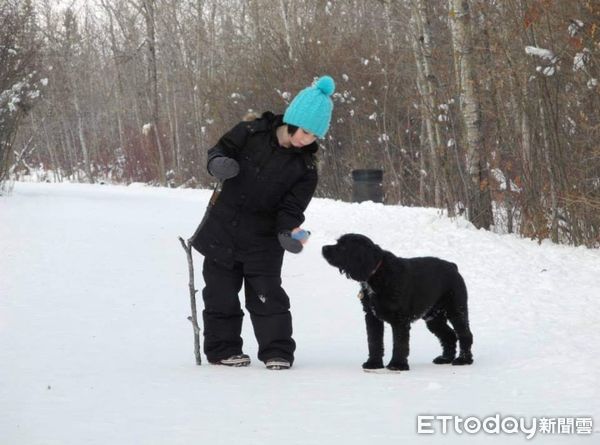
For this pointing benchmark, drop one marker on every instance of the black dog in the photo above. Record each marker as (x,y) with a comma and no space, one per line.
(400,291)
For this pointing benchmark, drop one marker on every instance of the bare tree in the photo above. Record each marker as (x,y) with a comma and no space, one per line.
(421,44)
(148,11)
(521,137)
(478,202)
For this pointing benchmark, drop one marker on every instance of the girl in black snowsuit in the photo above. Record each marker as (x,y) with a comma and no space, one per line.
(268,174)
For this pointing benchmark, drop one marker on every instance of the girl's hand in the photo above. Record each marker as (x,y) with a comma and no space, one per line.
(300,235)
(293,241)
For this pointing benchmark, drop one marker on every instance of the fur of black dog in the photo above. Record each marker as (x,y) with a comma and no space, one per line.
(400,291)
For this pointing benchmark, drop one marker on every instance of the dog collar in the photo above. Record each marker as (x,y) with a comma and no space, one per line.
(365,287)
(376,268)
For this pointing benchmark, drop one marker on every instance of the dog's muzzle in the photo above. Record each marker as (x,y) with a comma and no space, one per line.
(327,252)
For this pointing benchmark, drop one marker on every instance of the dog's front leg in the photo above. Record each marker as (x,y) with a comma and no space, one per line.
(401,333)
(374,338)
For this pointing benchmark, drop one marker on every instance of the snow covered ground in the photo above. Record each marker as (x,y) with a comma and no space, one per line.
(95,347)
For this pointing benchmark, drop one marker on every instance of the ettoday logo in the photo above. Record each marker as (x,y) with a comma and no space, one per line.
(497,424)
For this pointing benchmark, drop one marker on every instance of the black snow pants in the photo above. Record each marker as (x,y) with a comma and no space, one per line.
(266,301)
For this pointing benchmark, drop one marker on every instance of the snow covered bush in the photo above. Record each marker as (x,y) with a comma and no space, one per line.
(20,81)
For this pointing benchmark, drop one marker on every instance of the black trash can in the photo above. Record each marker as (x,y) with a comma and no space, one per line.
(367,185)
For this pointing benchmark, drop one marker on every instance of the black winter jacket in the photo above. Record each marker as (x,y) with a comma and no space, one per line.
(270,194)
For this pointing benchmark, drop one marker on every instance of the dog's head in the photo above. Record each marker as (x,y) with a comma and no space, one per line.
(355,255)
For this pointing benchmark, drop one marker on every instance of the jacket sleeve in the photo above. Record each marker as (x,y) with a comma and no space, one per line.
(290,213)
(230,144)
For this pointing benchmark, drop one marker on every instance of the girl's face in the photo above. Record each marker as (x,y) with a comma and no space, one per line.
(302,138)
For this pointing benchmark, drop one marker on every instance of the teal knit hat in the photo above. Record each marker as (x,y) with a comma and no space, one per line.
(311,108)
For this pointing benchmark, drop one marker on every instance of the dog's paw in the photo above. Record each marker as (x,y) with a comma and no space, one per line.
(397,366)
(372,364)
(443,359)
(463,359)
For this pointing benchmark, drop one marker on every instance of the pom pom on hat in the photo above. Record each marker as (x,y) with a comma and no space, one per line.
(326,85)
(311,109)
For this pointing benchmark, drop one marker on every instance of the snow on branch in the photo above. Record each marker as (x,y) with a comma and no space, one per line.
(540,52)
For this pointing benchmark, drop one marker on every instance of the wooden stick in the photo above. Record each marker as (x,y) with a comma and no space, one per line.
(194,317)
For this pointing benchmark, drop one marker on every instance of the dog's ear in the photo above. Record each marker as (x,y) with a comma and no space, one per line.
(364,260)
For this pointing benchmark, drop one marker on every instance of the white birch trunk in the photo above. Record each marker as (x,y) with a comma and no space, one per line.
(82,141)
(479,205)
(286,27)
(424,74)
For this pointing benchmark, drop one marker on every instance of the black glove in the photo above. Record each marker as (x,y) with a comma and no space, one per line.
(223,167)
(288,243)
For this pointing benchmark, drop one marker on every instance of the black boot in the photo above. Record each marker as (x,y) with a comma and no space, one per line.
(372,364)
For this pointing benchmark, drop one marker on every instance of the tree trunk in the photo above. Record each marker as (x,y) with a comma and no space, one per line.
(55,164)
(479,210)
(388,6)
(284,6)
(149,10)
(69,150)
(84,148)
(171,100)
(423,169)
(120,90)
(427,101)
(551,176)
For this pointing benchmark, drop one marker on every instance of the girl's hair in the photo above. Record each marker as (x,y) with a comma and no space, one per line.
(250,116)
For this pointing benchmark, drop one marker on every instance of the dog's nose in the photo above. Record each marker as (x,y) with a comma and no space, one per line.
(325,249)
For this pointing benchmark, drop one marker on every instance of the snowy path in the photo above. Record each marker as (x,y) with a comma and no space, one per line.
(95,347)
